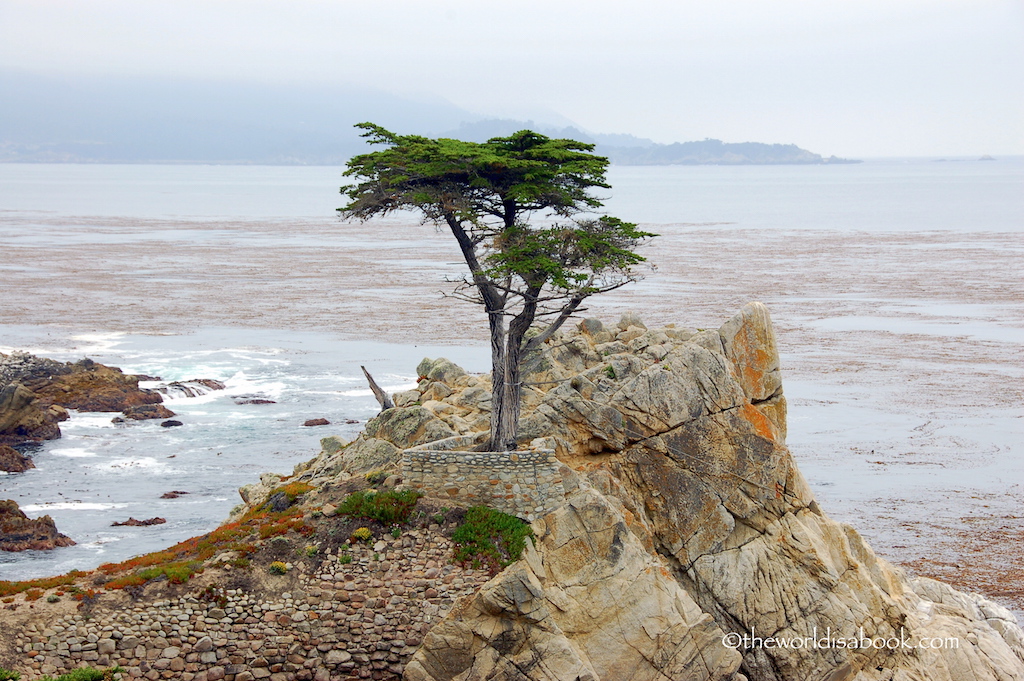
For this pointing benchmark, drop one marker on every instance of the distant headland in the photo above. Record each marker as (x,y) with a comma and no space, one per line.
(93,119)
(716,152)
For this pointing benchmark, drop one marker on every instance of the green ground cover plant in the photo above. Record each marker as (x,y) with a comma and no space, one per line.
(390,508)
(490,537)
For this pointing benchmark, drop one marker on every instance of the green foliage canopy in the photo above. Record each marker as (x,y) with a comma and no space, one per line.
(520,270)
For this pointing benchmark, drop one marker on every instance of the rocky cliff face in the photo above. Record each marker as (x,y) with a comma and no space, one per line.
(690,525)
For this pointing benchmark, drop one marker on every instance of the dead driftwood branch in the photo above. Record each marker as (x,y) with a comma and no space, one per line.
(378,392)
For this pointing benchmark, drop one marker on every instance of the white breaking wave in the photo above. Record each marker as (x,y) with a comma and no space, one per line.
(98,342)
(143,463)
(88,420)
(70,506)
(74,452)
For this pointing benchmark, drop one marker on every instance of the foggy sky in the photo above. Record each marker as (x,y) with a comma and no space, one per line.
(865,78)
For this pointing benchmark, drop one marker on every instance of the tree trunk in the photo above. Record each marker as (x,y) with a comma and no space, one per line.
(382,397)
(506,395)
(507,412)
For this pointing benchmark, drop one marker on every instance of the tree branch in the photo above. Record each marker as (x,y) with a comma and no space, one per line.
(382,397)
(567,312)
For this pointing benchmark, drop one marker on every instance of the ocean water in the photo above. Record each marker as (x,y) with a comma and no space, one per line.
(889,281)
(877,195)
(99,472)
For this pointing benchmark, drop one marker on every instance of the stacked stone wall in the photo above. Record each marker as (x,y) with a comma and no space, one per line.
(526,484)
(338,622)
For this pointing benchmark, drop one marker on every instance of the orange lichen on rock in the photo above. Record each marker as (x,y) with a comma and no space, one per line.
(762,424)
(749,341)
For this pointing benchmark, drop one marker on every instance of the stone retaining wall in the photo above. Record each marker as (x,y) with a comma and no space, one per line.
(341,621)
(526,484)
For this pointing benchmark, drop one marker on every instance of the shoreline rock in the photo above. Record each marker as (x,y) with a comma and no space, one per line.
(18,532)
(36,392)
(24,417)
(13,461)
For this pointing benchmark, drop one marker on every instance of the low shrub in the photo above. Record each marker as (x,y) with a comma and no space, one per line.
(278,568)
(345,559)
(390,507)
(33,595)
(85,596)
(490,537)
(214,594)
(11,588)
(8,675)
(362,534)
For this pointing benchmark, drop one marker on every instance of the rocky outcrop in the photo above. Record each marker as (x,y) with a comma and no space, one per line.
(35,394)
(685,431)
(380,444)
(589,602)
(18,532)
(13,461)
(89,386)
(26,418)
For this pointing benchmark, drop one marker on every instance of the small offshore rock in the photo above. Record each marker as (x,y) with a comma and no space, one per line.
(317,422)
(171,424)
(174,494)
(132,522)
(143,412)
(251,399)
(192,388)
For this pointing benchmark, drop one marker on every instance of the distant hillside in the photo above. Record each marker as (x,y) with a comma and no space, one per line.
(483,130)
(716,152)
(630,150)
(132,120)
